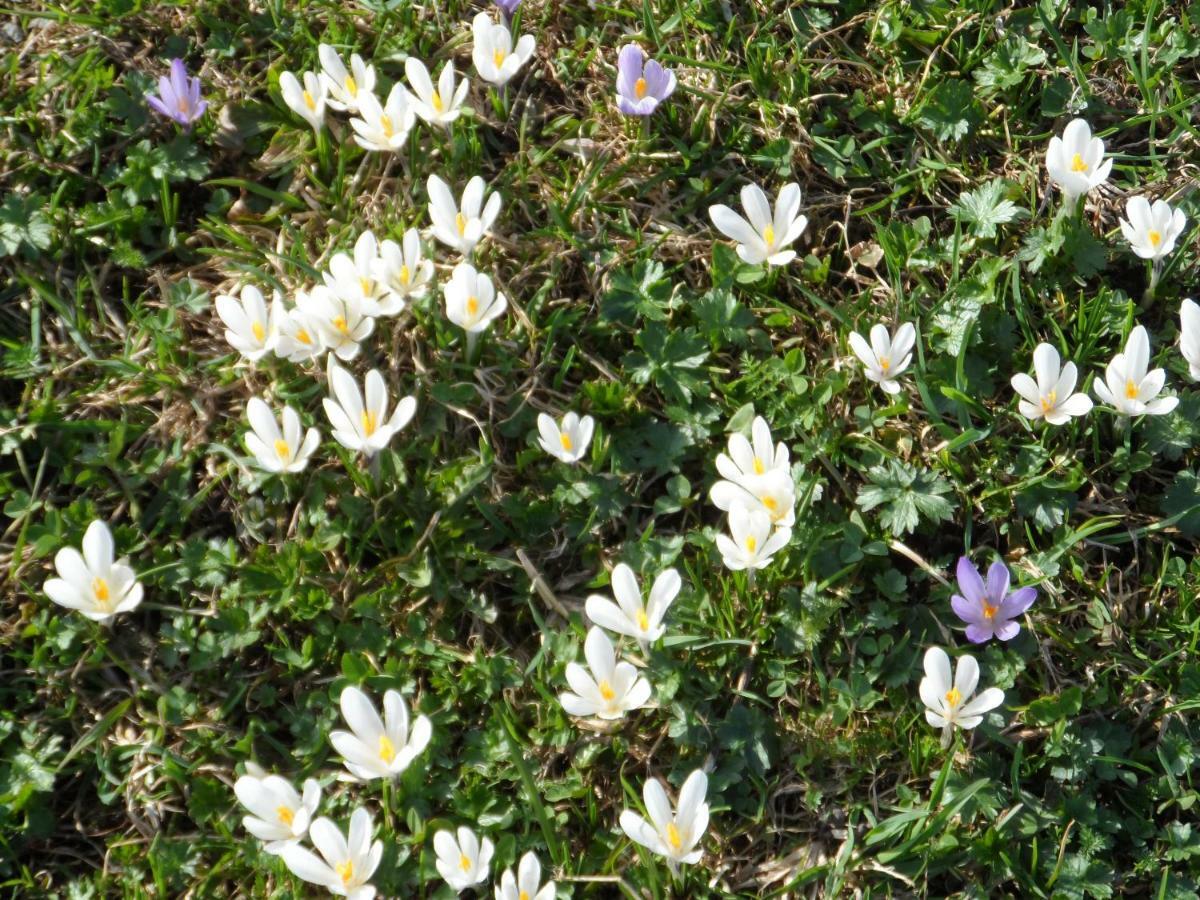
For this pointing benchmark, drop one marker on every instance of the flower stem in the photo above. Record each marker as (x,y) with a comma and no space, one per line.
(472,347)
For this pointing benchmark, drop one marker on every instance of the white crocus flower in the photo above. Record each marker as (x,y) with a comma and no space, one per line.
(358,426)
(495,59)
(1189,336)
(611,689)
(346,89)
(472,301)
(375,747)
(528,883)
(440,105)
(671,834)
(250,327)
(1127,385)
(1152,230)
(1051,397)
(629,615)
(280,816)
(763,235)
(401,272)
(749,461)
(342,323)
(1076,161)
(299,334)
(277,450)
(567,441)
(948,700)
(307,100)
(751,543)
(887,356)
(384,127)
(463,860)
(344,866)
(353,277)
(773,491)
(92,582)
(461,228)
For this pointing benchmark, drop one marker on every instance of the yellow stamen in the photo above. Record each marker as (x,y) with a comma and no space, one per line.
(1131,390)
(643,620)
(673,837)
(387,750)
(436,102)
(1078,165)
(1155,238)
(606,690)
(345,871)
(100,590)
(309,101)
(751,543)
(769,235)
(302,337)
(639,89)
(351,86)
(1048,401)
(885,364)
(369,424)
(498,58)
(259,331)
(953,697)
(989,611)
(758,466)
(385,122)
(771,504)
(366,285)
(405,274)
(472,305)
(183,106)
(282,450)
(565,440)
(339,322)
(524,895)
(286,816)
(464,862)
(460,222)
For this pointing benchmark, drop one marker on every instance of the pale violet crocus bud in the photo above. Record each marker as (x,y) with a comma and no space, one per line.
(346,863)
(495,58)
(947,696)
(178,96)
(607,689)
(1189,336)
(461,228)
(1052,396)
(630,615)
(567,441)
(1152,229)
(345,88)
(641,84)
(384,128)
(363,427)
(92,582)
(250,327)
(527,885)
(277,450)
(774,492)
(989,609)
(1076,161)
(1128,386)
(763,235)
(752,542)
(472,301)
(462,859)
(439,105)
(887,356)
(307,100)
(672,834)
(400,272)
(279,815)
(374,747)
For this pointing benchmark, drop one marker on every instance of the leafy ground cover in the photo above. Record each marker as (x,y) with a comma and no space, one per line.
(456,568)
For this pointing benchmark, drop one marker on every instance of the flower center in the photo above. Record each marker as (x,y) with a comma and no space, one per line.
(302,337)
(498,58)
(643,620)
(1155,238)
(1049,400)
(989,611)
(351,86)
(472,305)
(339,322)
(565,440)
(183,106)
(1131,389)
(100,590)
(259,331)
(953,697)
(639,89)
(673,837)
(286,816)
(758,466)
(387,750)
(345,871)
(405,274)
(460,222)
(606,690)
(309,101)
(464,862)
(436,102)
(365,285)
(524,895)
(752,543)
(282,450)
(385,122)
(1078,165)
(769,235)
(369,424)
(885,363)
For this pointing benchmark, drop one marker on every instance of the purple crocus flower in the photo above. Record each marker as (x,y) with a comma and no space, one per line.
(508,6)
(179,96)
(641,84)
(989,610)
